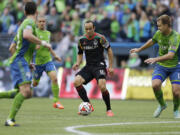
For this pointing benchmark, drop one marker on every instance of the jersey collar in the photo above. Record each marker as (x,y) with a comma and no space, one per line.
(91,37)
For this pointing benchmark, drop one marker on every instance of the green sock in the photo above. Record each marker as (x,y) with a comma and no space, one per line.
(159,96)
(55,90)
(176,102)
(18,100)
(9,94)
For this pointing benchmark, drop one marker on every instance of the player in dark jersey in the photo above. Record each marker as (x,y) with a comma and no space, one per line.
(93,45)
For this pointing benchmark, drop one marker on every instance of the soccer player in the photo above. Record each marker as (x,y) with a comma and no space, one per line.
(43,61)
(93,45)
(167,63)
(20,71)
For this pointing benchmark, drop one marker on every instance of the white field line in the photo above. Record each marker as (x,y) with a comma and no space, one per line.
(73,129)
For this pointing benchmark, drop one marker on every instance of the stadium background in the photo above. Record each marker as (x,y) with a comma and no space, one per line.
(125,23)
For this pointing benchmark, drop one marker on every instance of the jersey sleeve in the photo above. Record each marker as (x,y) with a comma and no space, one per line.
(104,42)
(174,44)
(30,25)
(80,49)
(155,37)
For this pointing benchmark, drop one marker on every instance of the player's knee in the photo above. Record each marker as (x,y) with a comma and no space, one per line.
(54,80)
(35,84)
(102,87)
(26,92)
(156,86)
(77,82)
(176,92)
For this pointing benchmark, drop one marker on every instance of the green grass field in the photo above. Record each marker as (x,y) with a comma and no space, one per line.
(132,117)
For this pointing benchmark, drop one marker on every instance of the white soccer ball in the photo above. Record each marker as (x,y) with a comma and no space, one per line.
(85,108)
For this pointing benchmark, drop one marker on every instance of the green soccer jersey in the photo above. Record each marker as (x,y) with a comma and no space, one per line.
(24,48)
(43,54)
(167,43)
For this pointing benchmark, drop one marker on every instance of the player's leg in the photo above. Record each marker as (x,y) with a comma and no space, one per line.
(37,73)
(175,81)
(83,77)
(106,96)
(9,94)
(21,78)
(78,83)
(176,99)
(55,89)
(158,77)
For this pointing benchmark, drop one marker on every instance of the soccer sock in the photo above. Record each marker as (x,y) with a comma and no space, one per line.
(18,100)
(9,94)
(159,96)
(55,90)
(82,93)
(106,99)
(176,102)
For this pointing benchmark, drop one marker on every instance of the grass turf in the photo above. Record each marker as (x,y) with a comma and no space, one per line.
(38,117)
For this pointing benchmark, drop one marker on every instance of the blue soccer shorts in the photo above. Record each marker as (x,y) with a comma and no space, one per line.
(20,72)
(49,66)
(162,73)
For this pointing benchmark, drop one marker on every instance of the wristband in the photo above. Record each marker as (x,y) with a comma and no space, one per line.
(43,42)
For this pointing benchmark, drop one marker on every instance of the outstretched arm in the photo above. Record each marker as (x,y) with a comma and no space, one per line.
(54,55)
(148,44)
(168,56)
(28,34)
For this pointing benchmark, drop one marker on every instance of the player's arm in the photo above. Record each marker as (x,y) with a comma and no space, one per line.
(171,52)
(79,57)
(110,59)
(167,56)
(104,42)
(54,55)
(28,34)
(148,44)
(12,48)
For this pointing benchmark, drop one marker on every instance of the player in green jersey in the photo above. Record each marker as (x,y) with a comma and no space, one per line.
(166,63)
(43,61)
(20,71)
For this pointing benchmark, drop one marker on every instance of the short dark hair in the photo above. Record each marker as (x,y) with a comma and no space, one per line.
(89,21)
(30,8)
(165,19)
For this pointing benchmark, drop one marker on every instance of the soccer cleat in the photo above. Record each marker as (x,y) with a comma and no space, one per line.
(58,105)
(92,108)
(159,110)
(109,113)
(11,122)
(176,114)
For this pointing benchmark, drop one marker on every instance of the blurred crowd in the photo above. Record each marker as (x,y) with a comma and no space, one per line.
(118,20)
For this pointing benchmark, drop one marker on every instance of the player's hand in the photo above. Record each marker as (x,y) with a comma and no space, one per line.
(75,66)
(57,58)
(150,61)
(111,71)
(134,50)
(32,66)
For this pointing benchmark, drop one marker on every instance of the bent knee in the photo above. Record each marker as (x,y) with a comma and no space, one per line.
(78,81)
(35,84)
(156,86)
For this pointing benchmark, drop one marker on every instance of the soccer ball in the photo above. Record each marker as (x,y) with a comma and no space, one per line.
(85,108)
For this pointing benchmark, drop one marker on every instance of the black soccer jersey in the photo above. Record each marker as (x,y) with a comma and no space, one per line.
(93,48)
